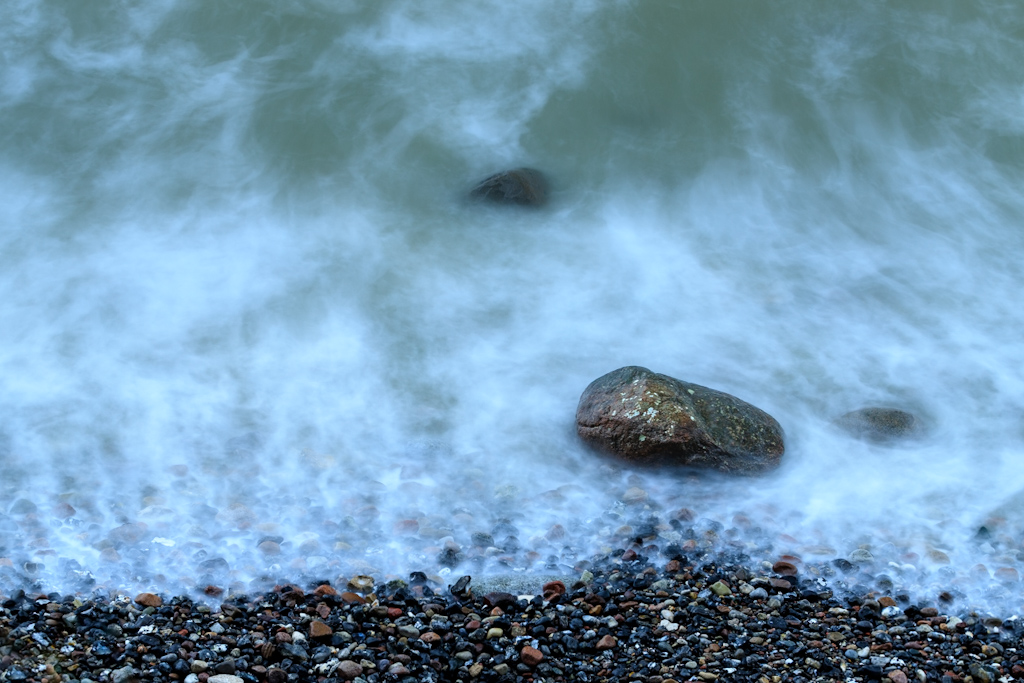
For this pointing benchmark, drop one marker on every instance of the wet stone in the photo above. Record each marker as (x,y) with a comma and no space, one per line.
(719,588)
(319,629)
(148,600)
(522,186)
(646,418)
(363,584)
(784,568)
(531,656)
(269,548)
(226,667)
(408,632)
(628,615)
(349,669)
(122,675)
(885,426)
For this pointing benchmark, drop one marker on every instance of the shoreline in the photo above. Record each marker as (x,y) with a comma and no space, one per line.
(626,619)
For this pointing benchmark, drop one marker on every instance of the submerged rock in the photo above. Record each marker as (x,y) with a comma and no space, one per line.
(525,186)
(649,418)
(881,425)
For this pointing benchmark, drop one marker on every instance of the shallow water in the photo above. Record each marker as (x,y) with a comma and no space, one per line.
(248,302)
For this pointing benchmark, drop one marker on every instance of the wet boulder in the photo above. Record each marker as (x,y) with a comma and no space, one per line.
(647,418)
(524,186)
(887,426)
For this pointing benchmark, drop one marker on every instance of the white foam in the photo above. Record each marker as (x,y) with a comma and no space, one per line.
(249,308)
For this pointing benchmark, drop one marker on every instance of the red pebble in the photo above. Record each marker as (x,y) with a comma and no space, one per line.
(148,600)
(394,612)
(784,568)
(531,656)
(318,629)
(553,589)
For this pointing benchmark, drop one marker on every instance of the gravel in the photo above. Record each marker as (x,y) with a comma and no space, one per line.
(621,618)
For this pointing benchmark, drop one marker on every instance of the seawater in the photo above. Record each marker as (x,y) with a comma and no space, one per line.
(253,330)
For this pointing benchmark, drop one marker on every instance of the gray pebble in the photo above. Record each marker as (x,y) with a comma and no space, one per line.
(122,675)
(408,632)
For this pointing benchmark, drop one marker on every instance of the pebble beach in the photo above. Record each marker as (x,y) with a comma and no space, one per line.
(625,617)
(312,312)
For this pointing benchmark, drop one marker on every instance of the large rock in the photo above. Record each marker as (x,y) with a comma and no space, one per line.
(524,186)
(886,426)
(648,418)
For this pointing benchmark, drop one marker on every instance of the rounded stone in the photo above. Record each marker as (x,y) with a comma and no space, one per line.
(408,632)
(530,656)
(647,418)
(270,548)
(784,568)
(148,600)
(634,496)
(523,186)
(122,675)
(861,556)
(349,669)
(885,426)
(552,589)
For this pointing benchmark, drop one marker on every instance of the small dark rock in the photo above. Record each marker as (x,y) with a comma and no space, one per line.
(524,186)
(483,540)
(881,425)
(844,565)
(500,599)
(461,586)
(449,557)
